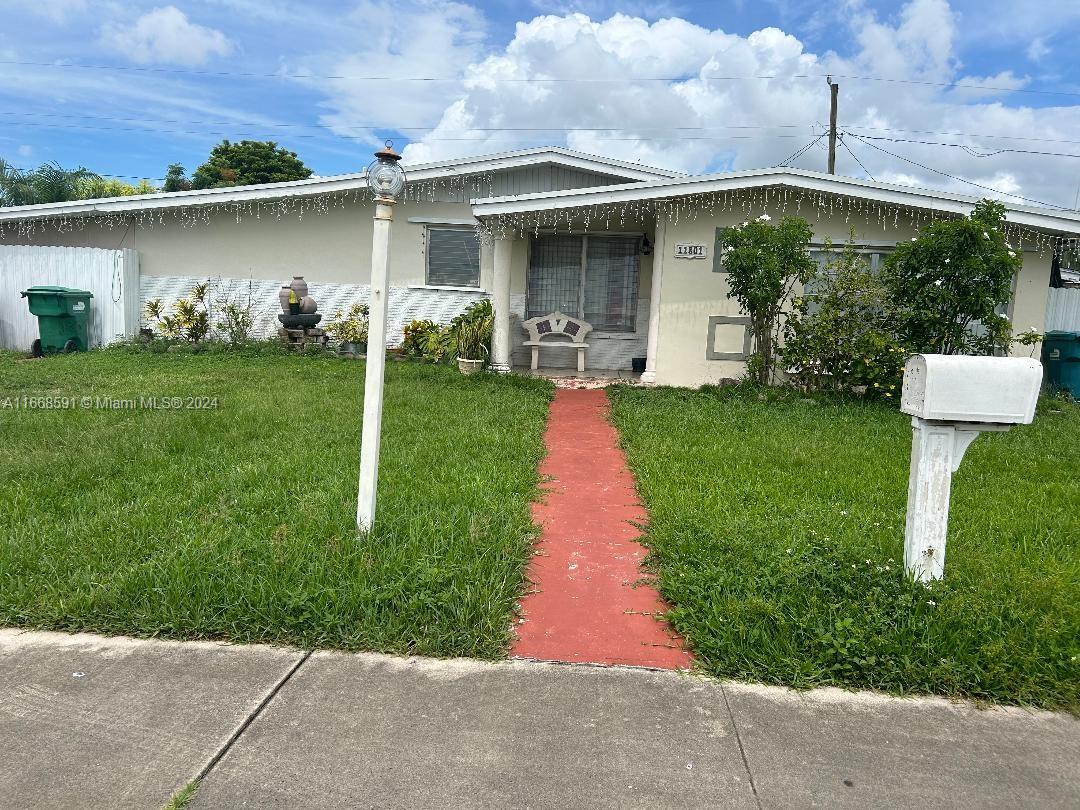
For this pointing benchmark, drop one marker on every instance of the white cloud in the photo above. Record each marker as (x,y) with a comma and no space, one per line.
(165,36)
(1037,50)
(440,40)
(975,87)
(57,11)
(25,150)
(698,118)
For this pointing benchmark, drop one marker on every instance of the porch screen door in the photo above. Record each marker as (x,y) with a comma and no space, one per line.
(590,277)
(611,282)
(555,276)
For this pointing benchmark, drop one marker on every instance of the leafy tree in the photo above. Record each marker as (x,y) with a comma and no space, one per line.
(249,162)
(950,282)
(763,263)
(100,188)
(176,179)
(841,335)
(47,183)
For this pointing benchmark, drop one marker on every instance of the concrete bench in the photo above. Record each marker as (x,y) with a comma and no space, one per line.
(557,325)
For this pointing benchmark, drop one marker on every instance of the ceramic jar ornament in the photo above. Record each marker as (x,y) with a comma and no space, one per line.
(299,286)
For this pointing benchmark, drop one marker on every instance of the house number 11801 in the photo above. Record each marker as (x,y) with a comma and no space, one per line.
(689,250)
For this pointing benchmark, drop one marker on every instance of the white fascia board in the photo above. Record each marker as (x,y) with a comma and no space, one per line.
(326,185)
(183,199)
(1046,218)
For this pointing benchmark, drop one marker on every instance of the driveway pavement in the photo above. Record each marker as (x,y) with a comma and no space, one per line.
(93,722)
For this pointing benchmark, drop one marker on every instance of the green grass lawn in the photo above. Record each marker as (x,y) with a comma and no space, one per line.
(239,522)
(777,530)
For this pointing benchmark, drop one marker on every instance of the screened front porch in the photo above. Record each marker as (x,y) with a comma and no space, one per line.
(601,278)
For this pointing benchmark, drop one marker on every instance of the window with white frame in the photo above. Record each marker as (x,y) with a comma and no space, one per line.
(453,257)
(593,277)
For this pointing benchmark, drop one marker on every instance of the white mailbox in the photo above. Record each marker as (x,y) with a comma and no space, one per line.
(958,388)
(951,399)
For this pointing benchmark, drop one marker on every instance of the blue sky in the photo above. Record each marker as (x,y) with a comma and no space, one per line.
(173,78)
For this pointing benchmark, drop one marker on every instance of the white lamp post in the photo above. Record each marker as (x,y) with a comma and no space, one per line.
(386,179)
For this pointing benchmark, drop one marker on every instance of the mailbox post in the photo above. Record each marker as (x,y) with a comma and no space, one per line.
(951,399)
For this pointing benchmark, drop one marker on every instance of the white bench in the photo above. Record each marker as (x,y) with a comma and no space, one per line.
(557,325)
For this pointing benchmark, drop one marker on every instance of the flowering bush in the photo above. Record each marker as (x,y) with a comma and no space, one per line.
(950,282)
(763,263)
(847,342)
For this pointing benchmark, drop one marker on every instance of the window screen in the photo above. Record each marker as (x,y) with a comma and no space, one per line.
(554,276)
(599,285)
(453,257)
(611,282)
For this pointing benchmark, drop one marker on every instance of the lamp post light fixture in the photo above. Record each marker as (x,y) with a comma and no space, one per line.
(386,179)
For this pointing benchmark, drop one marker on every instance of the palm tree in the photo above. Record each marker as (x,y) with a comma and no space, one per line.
(15,186)
(46,184)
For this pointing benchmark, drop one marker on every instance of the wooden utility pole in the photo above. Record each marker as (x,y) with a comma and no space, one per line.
(835,88)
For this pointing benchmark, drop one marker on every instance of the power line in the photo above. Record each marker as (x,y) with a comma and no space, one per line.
(531,79)
(396,128)
(798,153)
(598,128)
(844,144)
(956,177)
(968,149)
(235,134)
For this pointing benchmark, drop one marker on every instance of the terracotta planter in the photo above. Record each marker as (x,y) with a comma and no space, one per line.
(283,297)
(308,305)
(469,366)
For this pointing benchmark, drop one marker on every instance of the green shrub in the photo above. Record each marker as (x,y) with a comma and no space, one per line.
(763,263)
(351,327)
(189,321)
(951,279)
(847,341)
(472,331)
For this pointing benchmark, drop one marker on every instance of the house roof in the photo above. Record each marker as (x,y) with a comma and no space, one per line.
(1051,219)
(567,158)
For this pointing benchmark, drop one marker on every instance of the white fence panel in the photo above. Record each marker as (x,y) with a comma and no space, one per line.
(1063,309)
(111,275)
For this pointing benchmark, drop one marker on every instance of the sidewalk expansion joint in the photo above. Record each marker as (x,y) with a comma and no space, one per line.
(742,750)
(252,716)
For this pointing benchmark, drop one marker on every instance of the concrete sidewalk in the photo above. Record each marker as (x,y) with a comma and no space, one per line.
(93,722)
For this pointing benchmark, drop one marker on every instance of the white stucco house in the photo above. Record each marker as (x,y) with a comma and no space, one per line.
(628,248)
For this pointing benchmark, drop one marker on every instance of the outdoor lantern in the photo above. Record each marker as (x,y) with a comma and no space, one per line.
(646,245)
(385,176)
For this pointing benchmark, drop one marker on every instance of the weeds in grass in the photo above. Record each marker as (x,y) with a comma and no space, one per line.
(239,522)
(776,528)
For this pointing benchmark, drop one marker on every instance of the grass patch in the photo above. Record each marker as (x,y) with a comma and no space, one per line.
(238,523)
(777,530)
(182,798)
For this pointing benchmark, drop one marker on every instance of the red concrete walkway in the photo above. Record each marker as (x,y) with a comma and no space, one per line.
(583,605)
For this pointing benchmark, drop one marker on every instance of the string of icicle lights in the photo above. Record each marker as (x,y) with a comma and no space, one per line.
(775,200)
(452,188)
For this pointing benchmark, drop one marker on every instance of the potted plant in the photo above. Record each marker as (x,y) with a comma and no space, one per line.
(471,332)
(350,330)
(472,347)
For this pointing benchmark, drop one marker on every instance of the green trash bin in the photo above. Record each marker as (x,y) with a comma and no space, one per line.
(1061,359)
(63,314)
